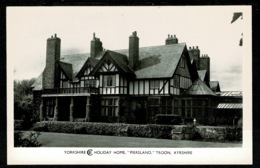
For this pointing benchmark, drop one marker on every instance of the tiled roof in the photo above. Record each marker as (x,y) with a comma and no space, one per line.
(214,86)
(154,62)
(230,106)
(157,61)
(199,88)
(37,85)
(121,60)
(77,61)
(67,69)
(202,74)
(93,62)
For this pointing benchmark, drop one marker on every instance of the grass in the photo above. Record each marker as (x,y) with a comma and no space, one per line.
(47,139)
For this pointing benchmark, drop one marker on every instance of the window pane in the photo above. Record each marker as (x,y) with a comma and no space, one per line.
(183,102)
(176,103)
(188,102)
(183,112)
(155,84)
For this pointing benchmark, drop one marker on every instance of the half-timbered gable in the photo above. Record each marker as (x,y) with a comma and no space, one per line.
(65,74)
(113,73)
(156,68)
(182,78)
(85,79)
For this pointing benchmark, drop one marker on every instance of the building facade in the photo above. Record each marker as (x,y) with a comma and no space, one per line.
(131,85)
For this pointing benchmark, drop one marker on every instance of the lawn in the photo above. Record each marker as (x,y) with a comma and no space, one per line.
(48,139)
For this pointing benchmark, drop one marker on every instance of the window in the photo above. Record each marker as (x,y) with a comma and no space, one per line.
(166,104)
(154,106)
(109,107)
(189,112)
(155,84)
(183,103)
(50,104)
(90,83)
(109,81)
(176,102)
(188,103)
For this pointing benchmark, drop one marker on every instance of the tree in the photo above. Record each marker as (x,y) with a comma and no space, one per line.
(23,101)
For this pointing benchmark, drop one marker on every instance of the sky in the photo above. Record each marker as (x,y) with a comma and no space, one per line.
(207,27)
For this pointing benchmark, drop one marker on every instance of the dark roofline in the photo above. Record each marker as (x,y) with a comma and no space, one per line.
(67,75)
(114,62)
(149,47)
(84,66)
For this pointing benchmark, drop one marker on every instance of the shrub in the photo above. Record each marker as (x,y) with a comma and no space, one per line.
(167,119)
(29,141)
(161,131)
(233,134)
(18,125)
(192,131)
(150,131)
(140,131)
(40,126)
(79,129)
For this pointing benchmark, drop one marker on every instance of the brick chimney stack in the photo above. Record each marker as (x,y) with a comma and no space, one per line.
(195,55)
(95,46)
(171,40)
(133,50)
(51,74)
(205,64)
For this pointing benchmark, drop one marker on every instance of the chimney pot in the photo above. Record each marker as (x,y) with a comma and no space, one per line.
(171,36)
(174,36)
(52,36)
(197,47)
(55,35)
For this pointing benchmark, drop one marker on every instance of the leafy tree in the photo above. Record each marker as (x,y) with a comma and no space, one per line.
(23,101)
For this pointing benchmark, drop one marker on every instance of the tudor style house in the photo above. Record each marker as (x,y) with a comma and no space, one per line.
(132,85)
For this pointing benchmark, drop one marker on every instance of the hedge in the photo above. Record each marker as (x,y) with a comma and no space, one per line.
(118,129)
(189,132)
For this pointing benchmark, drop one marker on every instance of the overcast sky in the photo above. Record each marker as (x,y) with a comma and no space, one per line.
(209,28)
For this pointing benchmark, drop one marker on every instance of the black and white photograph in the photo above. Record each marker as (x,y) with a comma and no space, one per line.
(129,85)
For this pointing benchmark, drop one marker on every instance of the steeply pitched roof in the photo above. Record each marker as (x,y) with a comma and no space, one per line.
(92,61)
(199,88)
(67,69)
(202,74)
(119,60)
(214,86)
(77,61)
(154,62)
(37,85)
(157,61)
